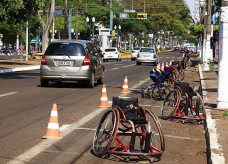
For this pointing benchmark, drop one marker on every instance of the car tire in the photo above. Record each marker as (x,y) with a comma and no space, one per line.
(138,63)
(101,80)
(91,82)
(44,83)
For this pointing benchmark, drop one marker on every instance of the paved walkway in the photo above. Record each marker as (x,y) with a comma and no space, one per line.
(216,126)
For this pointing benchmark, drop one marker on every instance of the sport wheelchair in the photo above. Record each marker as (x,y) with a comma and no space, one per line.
(158,89)
(127,120)
(183,103)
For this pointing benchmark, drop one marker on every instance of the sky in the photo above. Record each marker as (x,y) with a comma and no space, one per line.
(191,5)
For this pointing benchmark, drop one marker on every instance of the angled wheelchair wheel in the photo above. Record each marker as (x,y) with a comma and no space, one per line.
(106,132)
(160,92)
(157,141)
(170,104)
(181,74)
(198,106)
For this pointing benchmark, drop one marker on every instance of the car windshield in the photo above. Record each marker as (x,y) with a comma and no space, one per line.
(68,49)
(147,50)
(137,48)
(110,50)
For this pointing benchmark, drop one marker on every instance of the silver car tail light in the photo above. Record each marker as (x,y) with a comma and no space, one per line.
(43,60)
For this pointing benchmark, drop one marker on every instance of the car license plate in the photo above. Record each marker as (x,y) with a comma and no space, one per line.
(63,63)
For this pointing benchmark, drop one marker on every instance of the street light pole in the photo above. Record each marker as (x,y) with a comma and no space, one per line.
(222,101)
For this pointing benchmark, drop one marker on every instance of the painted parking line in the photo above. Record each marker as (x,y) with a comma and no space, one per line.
(7,94)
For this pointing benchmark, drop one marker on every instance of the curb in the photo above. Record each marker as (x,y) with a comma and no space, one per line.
(19,69)
(214,149)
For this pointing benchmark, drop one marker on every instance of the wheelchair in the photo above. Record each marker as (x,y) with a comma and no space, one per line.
(157,90)
(183,103)
(129,130)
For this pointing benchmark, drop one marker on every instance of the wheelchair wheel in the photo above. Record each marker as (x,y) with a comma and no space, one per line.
(170,104)
(157,140)
(106,132)
(160,92)
(198,106)
(181,74)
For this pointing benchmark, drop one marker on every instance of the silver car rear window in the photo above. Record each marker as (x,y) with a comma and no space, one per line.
(69,49)
(110,50)
(137,48)
(147,50)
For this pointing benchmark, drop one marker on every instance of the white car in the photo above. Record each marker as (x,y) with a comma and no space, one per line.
(147,55)
(112,53)
(134,53)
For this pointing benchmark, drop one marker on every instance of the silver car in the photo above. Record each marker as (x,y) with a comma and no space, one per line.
(134,53)
(72,61)
(147,55)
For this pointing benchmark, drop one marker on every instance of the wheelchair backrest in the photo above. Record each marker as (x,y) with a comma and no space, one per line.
(183,86)
(123,102)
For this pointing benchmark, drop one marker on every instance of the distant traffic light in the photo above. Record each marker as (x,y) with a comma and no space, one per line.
(141,15)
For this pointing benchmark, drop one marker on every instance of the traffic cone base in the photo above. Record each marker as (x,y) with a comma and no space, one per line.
(125,86)
(104,98)
(53,125)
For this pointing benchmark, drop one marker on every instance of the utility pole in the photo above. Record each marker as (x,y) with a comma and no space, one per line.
(208,52)
(222,101)
(111,23)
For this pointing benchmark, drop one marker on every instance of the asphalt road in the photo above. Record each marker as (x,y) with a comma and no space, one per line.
(25,111)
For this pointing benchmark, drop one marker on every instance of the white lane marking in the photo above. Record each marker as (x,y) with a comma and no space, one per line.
(7,94)
(66,129)
(128,65)
(114,69)
(178,137)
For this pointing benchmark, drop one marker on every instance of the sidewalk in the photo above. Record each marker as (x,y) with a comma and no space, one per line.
(17,65)
(216,126)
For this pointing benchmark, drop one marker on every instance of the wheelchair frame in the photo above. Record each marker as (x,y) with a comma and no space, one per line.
(185,101)
(136,127)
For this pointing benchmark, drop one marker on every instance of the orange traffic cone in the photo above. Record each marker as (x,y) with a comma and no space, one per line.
(158,67)
(170,63)
(104,98)
(125,86)
(166,64)
(162,67)
(53,125)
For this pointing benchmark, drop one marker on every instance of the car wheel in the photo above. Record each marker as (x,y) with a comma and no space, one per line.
(91,82)
(101,80)
(138,63)
(44,83)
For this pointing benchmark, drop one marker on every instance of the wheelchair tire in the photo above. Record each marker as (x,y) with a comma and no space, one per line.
(170,104)
(160,92)
(157,138)
(106,132)
(181,75)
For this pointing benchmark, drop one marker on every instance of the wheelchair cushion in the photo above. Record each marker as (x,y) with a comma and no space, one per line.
(135,119)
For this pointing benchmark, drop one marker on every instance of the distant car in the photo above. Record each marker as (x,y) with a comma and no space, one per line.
(176,48)
(147,55)
(183,49)
(71,61)
(112,53)
(135,53)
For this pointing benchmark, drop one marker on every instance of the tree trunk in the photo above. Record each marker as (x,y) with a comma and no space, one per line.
(65,20)
(46,26)
(45,40)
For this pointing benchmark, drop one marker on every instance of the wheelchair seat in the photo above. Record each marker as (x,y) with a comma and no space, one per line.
(129,106)
(184,88)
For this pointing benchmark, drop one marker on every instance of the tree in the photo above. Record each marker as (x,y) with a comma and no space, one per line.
(48,11)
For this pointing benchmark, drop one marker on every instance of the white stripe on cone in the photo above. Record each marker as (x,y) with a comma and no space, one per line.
(54,113)
(53,126)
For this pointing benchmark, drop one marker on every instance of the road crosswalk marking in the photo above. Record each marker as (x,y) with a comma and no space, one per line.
(7,94)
